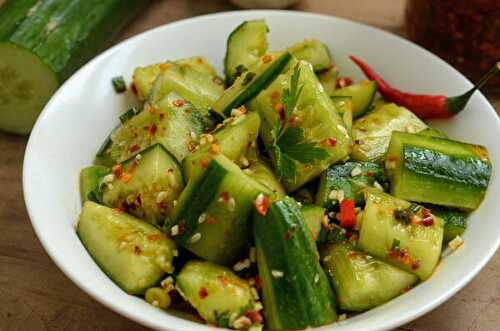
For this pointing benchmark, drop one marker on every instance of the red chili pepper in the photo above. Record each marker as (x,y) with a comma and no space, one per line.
(347,215)
(424,105)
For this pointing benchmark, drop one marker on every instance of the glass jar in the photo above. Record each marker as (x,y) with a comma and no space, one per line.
(465,33)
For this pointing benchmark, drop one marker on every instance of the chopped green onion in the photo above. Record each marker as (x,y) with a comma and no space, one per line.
(119,84)
(396,245)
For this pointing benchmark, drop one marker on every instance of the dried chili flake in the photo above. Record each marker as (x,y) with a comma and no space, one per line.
(262,204)
(179,102)
(203,293)
(267,58)
(343,82)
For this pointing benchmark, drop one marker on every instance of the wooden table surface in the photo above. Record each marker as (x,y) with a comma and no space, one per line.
(35,295)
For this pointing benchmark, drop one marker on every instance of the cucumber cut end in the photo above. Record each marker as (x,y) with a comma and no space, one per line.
(26,84)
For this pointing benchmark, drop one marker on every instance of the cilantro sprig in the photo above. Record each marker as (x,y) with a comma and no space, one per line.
(289,142)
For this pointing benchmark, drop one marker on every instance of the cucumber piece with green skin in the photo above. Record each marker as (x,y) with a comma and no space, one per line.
(433,133)
(315,114)
(212,216)
(313,51)
(90,179)
(340,178)
(104,155)
(328,78)
(145,185)
(361,281)
(437,171)
(198,88)
(251,83)
(144,77)
(313,217)
(262,172)
(372,132)
(216,293)
(173,122)
(134,254)
(409,244)
(362,95)
(42,43)
(455,221)
(245,45)
(233,139)
(296,293)
(129,114)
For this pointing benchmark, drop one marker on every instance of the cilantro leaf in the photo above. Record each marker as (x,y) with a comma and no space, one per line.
(292,144)
(291,95)
(284,165)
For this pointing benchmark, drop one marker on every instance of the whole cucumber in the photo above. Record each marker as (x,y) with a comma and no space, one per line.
(42,42)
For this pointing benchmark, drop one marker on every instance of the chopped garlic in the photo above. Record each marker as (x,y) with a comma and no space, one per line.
(195,237)
(378,186)
(174,230)
(356,171)
(277,273)
(456,243)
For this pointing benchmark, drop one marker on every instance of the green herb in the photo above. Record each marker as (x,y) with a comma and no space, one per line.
(119,84)
(222,319)
(332,234)
(396,245)
(288,144)
(248,78)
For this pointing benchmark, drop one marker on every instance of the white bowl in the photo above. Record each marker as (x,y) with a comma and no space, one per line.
(84,110)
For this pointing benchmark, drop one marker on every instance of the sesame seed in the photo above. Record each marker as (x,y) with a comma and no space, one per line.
(316,278)
(242,322)
(277,273)
(378,186)
(327,258)
(202,218)
(240,265)
(356,171)
(244,162)
(252,254)
(255,294)
(195,237)
(108,178)
(456,243)
(161,196)
(174,230)
(138,157)
(231,204)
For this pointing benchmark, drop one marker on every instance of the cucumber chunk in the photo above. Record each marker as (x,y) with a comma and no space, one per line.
(362,95)
(245,45)
(328,78)
(251,83)
(313,51)
(212,214)
(343,105)
(314,114)
(90,179)
(296,292)
(196,87)
(134,254)
(262,172)
(407,243)
(172,122)
(218,295)
(361,281)
(433,133)
(438,171)
(350,178)
(313,218)
(145,186)
(455,221)
(232,139)
(372,132)
(144,77)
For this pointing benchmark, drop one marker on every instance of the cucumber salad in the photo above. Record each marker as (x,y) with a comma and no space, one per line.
(282,196)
